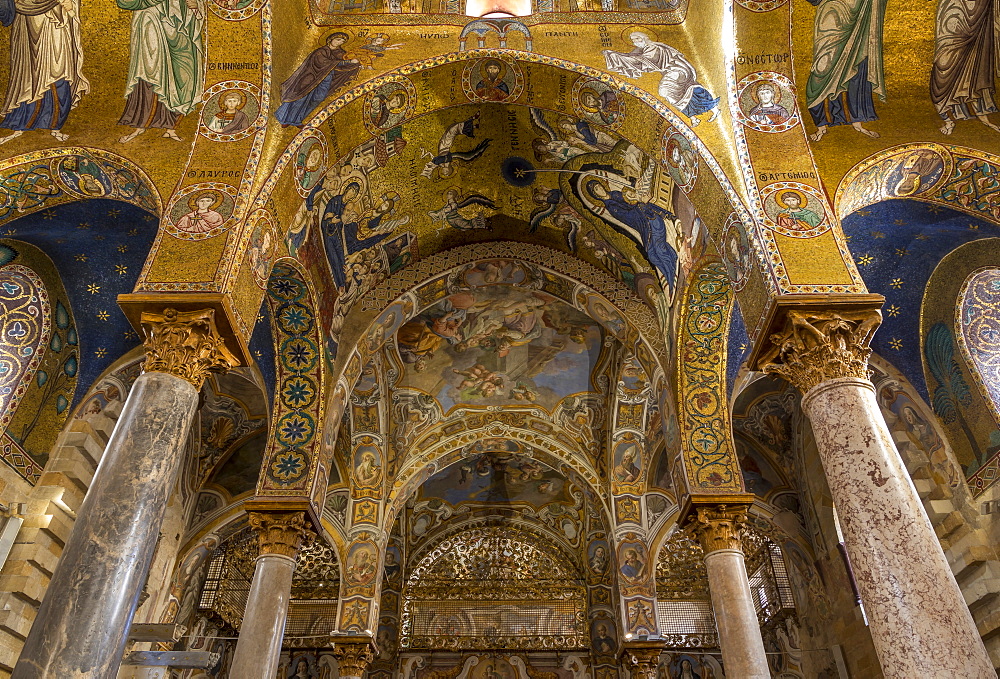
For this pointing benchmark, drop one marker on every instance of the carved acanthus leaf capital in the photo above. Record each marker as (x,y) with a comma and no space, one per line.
(185,344)
(719,527)
(280,532)
(816,346)
(641,658)
(353,655)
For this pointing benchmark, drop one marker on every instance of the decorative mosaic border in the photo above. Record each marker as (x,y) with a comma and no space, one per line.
(709,458)
(292,454)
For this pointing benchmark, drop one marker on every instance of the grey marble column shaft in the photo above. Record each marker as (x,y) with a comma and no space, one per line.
(259,646)
(919,621)
(739,632)
(81,627)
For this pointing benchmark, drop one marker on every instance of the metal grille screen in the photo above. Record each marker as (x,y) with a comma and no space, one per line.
(687,624)
(309,620)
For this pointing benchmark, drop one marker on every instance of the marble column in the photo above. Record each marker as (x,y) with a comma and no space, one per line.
(718,528)
(353,654)
(919,621)
(83,621)
(259,645)
(641,657)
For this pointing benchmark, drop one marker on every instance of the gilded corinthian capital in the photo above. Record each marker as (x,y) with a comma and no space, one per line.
(185,344)
(719,527)
(353,654)
(819,345)
(280,532)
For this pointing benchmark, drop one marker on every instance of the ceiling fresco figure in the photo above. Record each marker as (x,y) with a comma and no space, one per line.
(46,66)
(166,65)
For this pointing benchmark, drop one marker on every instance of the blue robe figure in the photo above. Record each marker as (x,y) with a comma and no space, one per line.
(322,73)
(646,219)
(341,239)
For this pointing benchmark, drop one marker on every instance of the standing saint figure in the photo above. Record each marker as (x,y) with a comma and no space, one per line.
(46,79)
(322,73)
(965,45)
(847,64)
(678,82)
(166,65)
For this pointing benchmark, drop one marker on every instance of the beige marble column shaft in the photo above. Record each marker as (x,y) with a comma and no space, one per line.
(919,621)
(718,529)
(258,648)
(81,628)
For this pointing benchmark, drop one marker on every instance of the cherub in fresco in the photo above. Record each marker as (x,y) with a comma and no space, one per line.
(420,338)
(478,380)
(444,161)
(523,392)
(454,202)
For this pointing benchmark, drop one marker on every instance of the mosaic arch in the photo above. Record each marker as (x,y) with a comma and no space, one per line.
(977,323)
(955,177)
(432,460)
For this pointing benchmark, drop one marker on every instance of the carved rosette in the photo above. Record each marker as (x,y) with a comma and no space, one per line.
(185,344)
(353,655)
(280,532)
(719,527)
(641,658)
(816,346)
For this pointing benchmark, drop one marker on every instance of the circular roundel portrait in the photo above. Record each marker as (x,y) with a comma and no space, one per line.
(231,111)
(767,102)
(914,172)
(389,105)
(794,209)
(680,160)
(85,176)
(492,79)
(235,10)
(309,164)
(201,211)
(598,102)
(262,249)
(736,251)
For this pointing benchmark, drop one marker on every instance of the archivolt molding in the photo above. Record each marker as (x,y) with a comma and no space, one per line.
(448,449)
(585,277)
(957,177)
(43,179)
